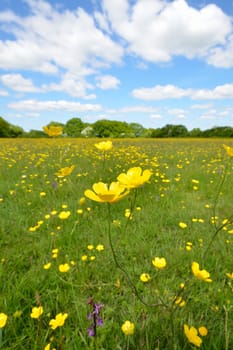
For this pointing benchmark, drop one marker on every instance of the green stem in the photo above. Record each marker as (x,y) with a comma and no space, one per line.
(219,228)
(0,337)
(218,194)
(127,345)
(226,329)
(132,206)
(120,267)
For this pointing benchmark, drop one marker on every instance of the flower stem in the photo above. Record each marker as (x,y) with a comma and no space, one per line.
(217,228)
(0,337)
(120,267)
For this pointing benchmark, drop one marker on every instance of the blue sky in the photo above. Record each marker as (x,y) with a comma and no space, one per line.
(154,62)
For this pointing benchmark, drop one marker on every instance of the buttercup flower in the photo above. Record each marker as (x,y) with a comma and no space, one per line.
(64,214)
(3,319)
(53,130)
(191,334)
(128,328)
(229,275)
(37,312)
(128,214)
(47,266)
(134,177)
(229,150)
(203,331)
(145,277)
(64,267)
(104,145)
(65,171)
(160,263)
(180,301)
(58,321)
(82,200)
(182,225)
(104,194)
(200,274)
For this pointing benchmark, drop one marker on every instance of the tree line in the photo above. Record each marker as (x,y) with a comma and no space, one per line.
(75,127)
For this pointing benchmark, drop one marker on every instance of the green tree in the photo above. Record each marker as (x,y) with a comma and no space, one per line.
(16,131)
(111,128)
(218,131)
(35,134)
(9,130)
(170,130)
(196,132)
(137,129)
(74,127)
(4,128)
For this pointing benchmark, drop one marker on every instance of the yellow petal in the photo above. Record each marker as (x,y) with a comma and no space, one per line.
(91,195)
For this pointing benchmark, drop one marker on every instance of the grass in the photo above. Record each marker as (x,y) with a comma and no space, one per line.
(191,183)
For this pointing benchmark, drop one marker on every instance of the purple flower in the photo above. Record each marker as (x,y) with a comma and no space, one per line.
(94,316)
(91,331)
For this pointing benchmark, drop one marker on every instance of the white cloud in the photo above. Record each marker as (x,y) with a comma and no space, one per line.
(224,113)
(220,92)
(72,84)
(102,21)
(162,92)
(107,82)
(3,93)
(201,106)
(17,82)
(222,56)
(60,105)
(157,30)
(138,109)
(48,40)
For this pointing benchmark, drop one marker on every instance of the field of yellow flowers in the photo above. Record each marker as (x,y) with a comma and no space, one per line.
(110,245)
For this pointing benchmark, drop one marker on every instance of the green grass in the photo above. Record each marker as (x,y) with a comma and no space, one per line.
(27,169)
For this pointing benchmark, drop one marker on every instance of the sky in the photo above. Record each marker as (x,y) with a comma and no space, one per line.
(152,62)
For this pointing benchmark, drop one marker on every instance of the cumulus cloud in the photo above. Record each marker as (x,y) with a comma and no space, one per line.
(107,82)
(162,92)
(138,109)
(60,105)
(222,56)
(48,40)
(201,106)
(72,84)
(157,30)
(3,93)
(17,82)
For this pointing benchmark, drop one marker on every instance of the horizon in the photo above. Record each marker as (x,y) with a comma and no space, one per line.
(128,66)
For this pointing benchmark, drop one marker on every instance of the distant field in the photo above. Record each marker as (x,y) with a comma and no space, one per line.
(63,253)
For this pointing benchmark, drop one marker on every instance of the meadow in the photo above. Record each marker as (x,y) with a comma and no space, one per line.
(148,266)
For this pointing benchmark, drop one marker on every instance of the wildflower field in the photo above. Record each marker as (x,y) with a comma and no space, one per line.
(116,245)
